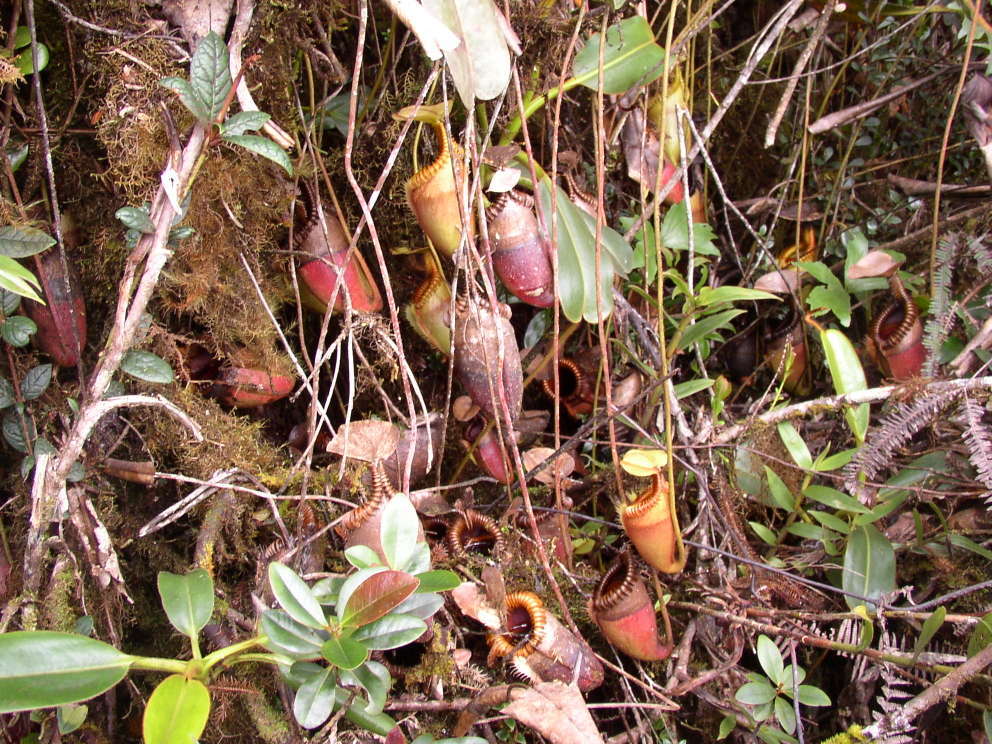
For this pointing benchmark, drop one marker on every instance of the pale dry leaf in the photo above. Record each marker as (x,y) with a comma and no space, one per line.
(554,710)
(564,464)
(503,180)
(473,603)
(369,441)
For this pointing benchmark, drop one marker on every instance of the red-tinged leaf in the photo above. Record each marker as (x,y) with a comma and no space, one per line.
(376,596)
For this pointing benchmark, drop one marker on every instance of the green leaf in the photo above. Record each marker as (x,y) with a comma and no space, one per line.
(813,696)
(835,499)
(960,541)
(136,218)
(377,723)
(188,600)
(362,556)
(711,296)
(785,714)
(392,631)
(21,242)
(780,492)
(930,627)
(831,522)
(344,652)
(981,636)
(437,581)
(177,711)
(262,146)
(630,57)
(398,530)
(372,677)
(315,699)
(728,724)
(830,295)
(17,331)
(210,74)
(767,535)
(869,565)
(245,121)
(691,387)
(144,365)
(15,278)
(25,60)
(188,97)
(294,596)
(707,326)
(290,637)
(796,445)
(36,381)
(420,605)
(350,584)
(6,393)
(9,302)
(376,596)
(755,693)
(70,717)
(809,531)
(13,431)
(848,377)
(42,669)
(675,232)
(770,659)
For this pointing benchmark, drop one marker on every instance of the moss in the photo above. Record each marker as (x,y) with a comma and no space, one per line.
(270,722)
(57,611)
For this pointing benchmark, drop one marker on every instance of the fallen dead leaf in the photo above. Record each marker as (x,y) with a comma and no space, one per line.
(369,441)
(554,710)
(473,603)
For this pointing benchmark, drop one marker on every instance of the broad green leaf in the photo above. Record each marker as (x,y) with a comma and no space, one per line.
(480,64)
(767,535)
(326,590)
(785,714)
(810,531)
(25,60)
(399,530)
(848,377)
(144,365)
(210,74)
(70,717)
(16,155)
(835,499)
(771,661)
(6,393)
(834,461)
(391,631)
(9,302)
(13,429)
(36,381)
(755,693)
(21,242)
(780,492)
(294,596)
(177,711)
(869,565)
(707,326)
(42,669)
(437,581)
(136,218)
(981,636)
(376,596)
(856,247)
(960,541)
(372,677)
(18,280)
(245,121)
(188,600)
(796,445)
(630,57)
(315,699)
(344,651)
(362,556)
(930,627)
(675,232)
(830,295)
(831,522)
(262,146)
(290,637)
(17,331)
(377,723)
(728,724)
(188,97)
(420,605)
(813,696)
(711,296)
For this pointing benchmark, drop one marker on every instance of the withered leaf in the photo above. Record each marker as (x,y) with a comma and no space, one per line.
(369,441)
(554,710)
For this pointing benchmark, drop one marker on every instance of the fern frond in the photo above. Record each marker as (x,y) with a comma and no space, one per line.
(894,431)
(941,318)
(981,253)
(978,437)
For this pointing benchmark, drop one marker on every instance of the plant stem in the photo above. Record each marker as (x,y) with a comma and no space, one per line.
(155,664)
(222,653)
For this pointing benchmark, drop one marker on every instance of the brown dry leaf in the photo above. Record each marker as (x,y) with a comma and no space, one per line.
(473,603)
(533,457)
(554,710)
(369,441)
